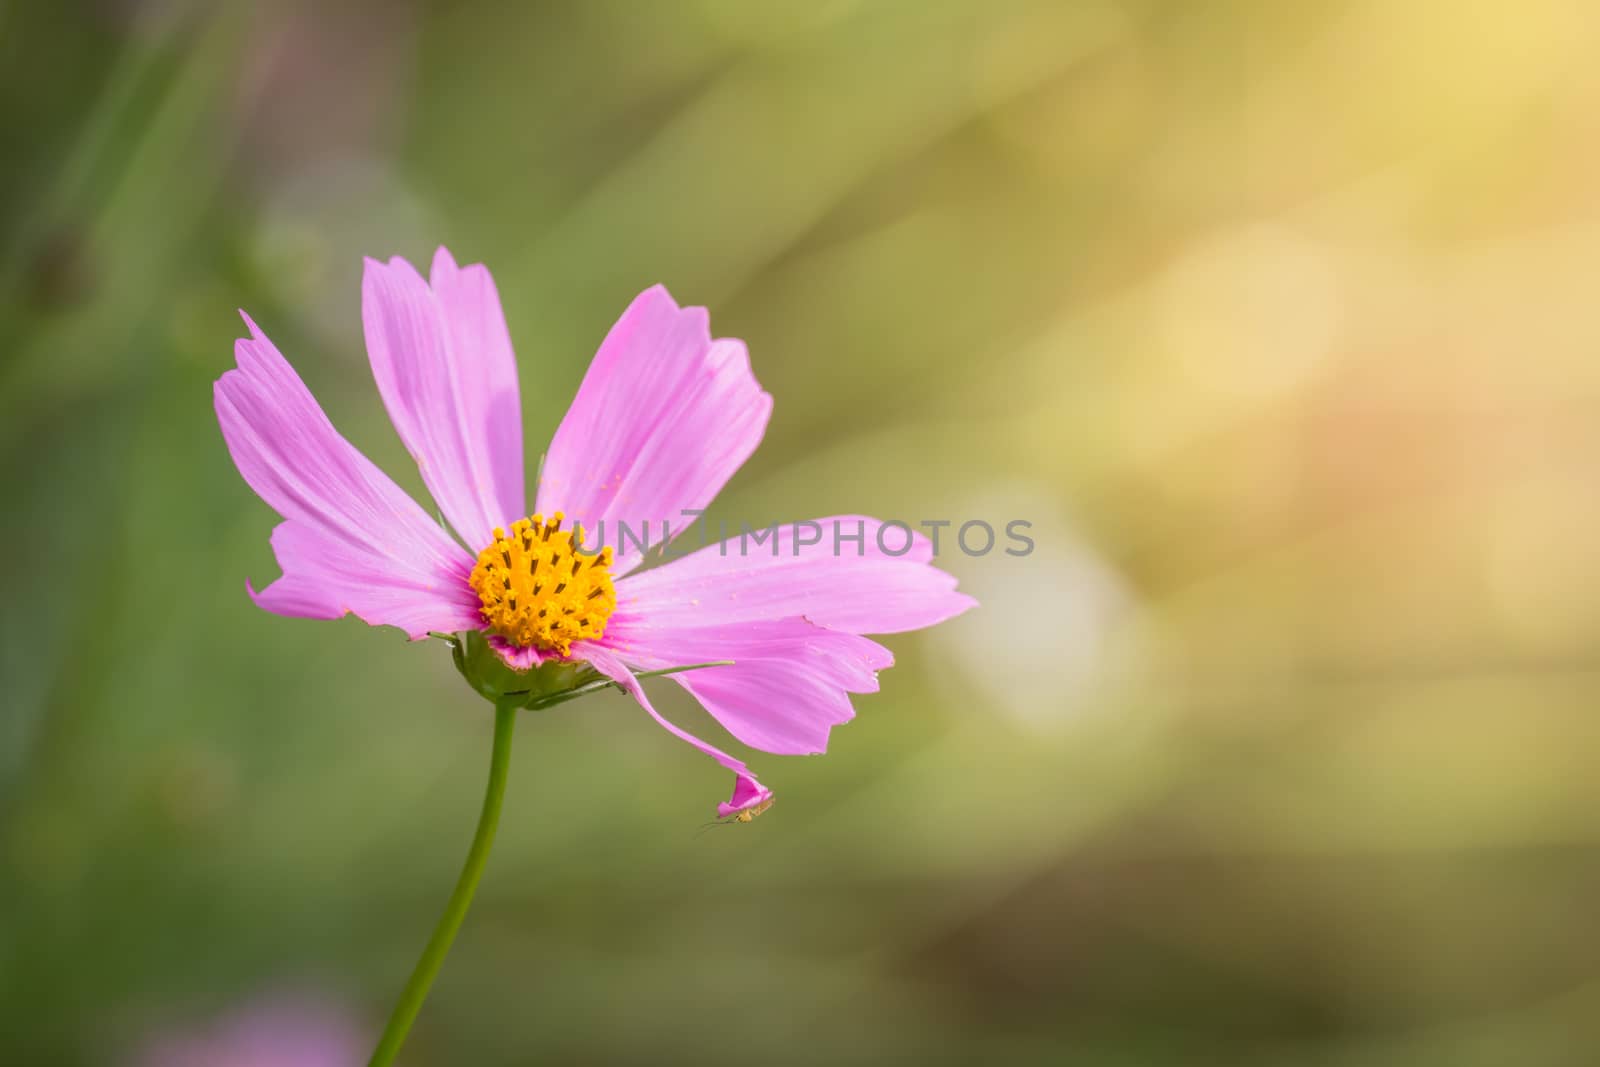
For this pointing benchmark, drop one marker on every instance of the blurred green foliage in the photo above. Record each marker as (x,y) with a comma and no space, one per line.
(1276,320)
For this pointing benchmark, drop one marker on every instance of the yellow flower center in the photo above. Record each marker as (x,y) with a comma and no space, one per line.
(536,589)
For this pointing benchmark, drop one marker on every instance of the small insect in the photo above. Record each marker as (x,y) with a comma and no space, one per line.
(747,815)
(750,813)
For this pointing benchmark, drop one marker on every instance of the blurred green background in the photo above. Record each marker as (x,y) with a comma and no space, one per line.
(1276,320)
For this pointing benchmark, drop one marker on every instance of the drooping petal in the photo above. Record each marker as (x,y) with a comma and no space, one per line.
(663,419)
(747,793)
(789,683)
(611,665)
(354,541)
(846,572)
(443,362)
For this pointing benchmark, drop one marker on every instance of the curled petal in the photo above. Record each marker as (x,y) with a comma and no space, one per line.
(789,683)
(609,664)
(747,793)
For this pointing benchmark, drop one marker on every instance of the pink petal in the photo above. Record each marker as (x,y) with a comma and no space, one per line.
(354,541)
(747,793)
(518,657)
(663,419)
(443,362)
(325,578)
(610,665)
(789,685)
(838,582)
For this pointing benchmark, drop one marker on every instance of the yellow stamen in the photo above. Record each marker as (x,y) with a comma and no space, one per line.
(536,589)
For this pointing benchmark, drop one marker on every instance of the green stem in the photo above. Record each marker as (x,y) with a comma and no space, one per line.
(416,991)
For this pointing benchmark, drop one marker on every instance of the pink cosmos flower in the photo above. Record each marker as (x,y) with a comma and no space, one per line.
(664,417)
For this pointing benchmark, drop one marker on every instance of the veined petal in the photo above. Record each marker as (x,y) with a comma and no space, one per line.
(354,541)
(788,686)
(745,785)
(663,419)
(844,580)
(444,365)
(326,578)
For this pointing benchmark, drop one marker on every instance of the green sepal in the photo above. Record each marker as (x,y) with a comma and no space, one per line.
(544,686)
(488,675)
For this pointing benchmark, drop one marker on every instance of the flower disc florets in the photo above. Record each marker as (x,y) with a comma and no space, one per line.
(538,590)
